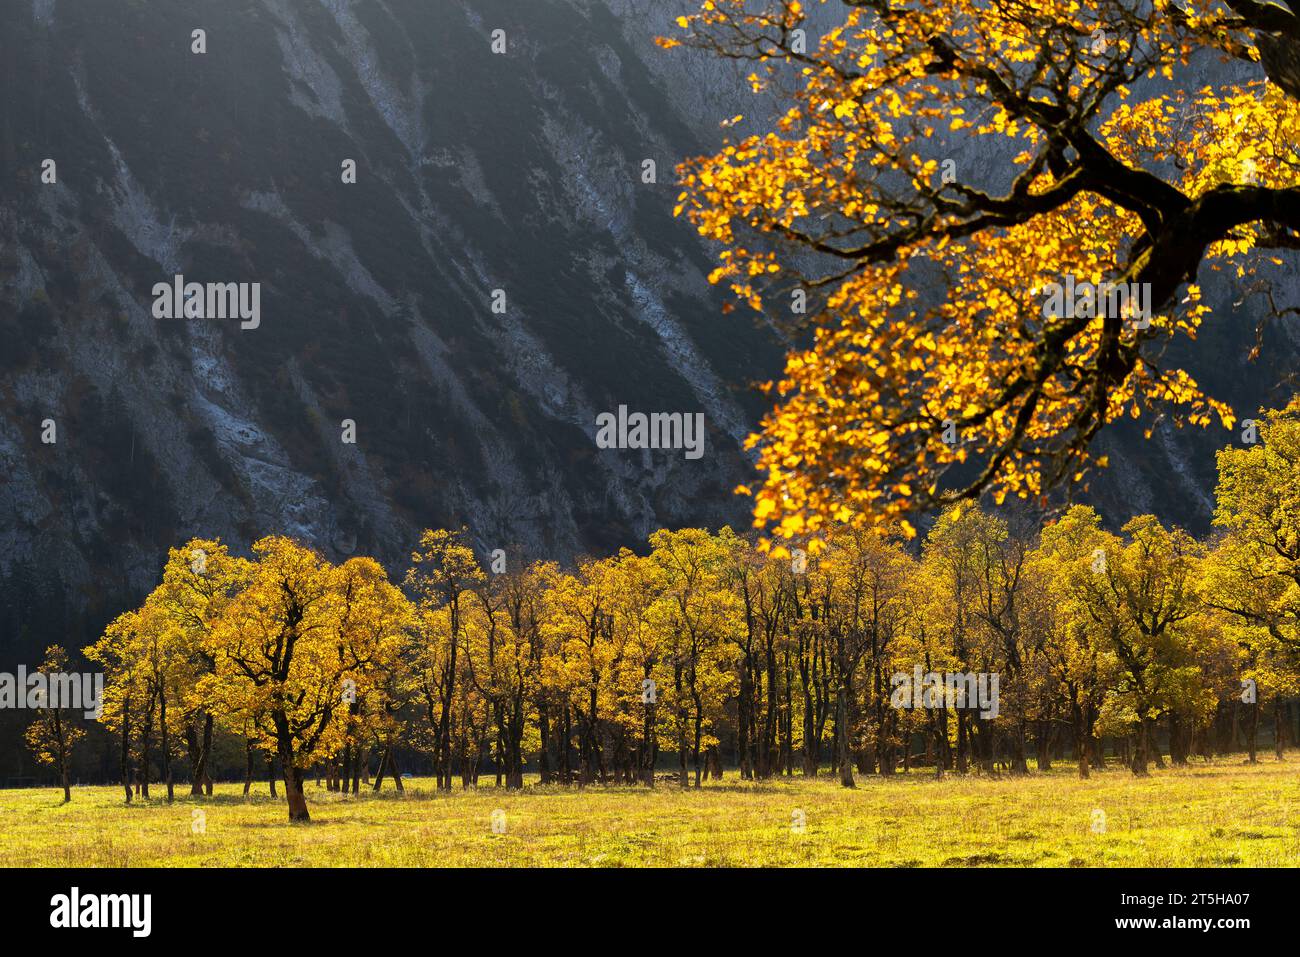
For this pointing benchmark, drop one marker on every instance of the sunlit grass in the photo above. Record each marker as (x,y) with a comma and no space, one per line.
(1224,813)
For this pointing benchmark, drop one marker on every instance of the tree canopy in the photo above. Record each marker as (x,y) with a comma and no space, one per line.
(942,363)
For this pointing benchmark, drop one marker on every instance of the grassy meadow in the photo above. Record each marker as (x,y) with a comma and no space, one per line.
(1224,813)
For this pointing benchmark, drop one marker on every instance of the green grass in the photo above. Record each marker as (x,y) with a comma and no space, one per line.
(1224,813)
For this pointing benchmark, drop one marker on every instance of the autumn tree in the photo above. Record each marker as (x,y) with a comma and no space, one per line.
(145,680)
(953,633)
(699,612)
(943,361)
(1071,554)
(1143,602)
(637,606)
(872,575)
(1258,505)
(1253,572)
(55,731)
(371,625)
(762,583)
(114,652)
(585,657)
(999,588)
(199,580)
(160,659)
(443,574)
(504,659)
(925,636)
(295,648)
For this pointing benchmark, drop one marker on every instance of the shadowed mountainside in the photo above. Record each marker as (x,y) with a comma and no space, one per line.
(476,172)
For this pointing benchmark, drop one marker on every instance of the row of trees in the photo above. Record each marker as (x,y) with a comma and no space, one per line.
(706,645)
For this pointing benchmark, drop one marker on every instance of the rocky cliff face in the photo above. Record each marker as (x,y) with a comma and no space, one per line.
(498,275)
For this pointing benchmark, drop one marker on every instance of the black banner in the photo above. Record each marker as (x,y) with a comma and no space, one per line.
(170,907)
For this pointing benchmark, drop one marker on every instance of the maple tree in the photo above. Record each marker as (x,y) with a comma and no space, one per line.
(638,612)
(936,368)
(55,732)
(442,574)
(152,668)
(583,657)
(1145,599)
(1077,656)
(198,582)
(297,648)
(698,612)
(1253,571)
(1258,575)
(505,653)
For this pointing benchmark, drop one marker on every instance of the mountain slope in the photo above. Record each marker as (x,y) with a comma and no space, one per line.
(476,172)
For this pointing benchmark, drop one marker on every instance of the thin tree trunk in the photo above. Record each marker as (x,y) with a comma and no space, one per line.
(1081,742)
(207,754)
(842,738)
(146,739)
(1279,729)
(1252,731)
(166,744)
(62,747)
(126,747)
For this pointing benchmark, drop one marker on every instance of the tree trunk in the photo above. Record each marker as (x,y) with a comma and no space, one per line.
(388,765)
(1019,759)
(743,704)
(62,757)
(126,747)
(1043,744)
(1177,741)
(1252,731)
(842,737)
(1081,742)
(196,759)
(293,791)
(695,751)
(648,737)
(1279,729)
(544,732)
(207,754)
(566,746)
(961,742)
(166,745)
(146,739)
(248,770)
(1141,747)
